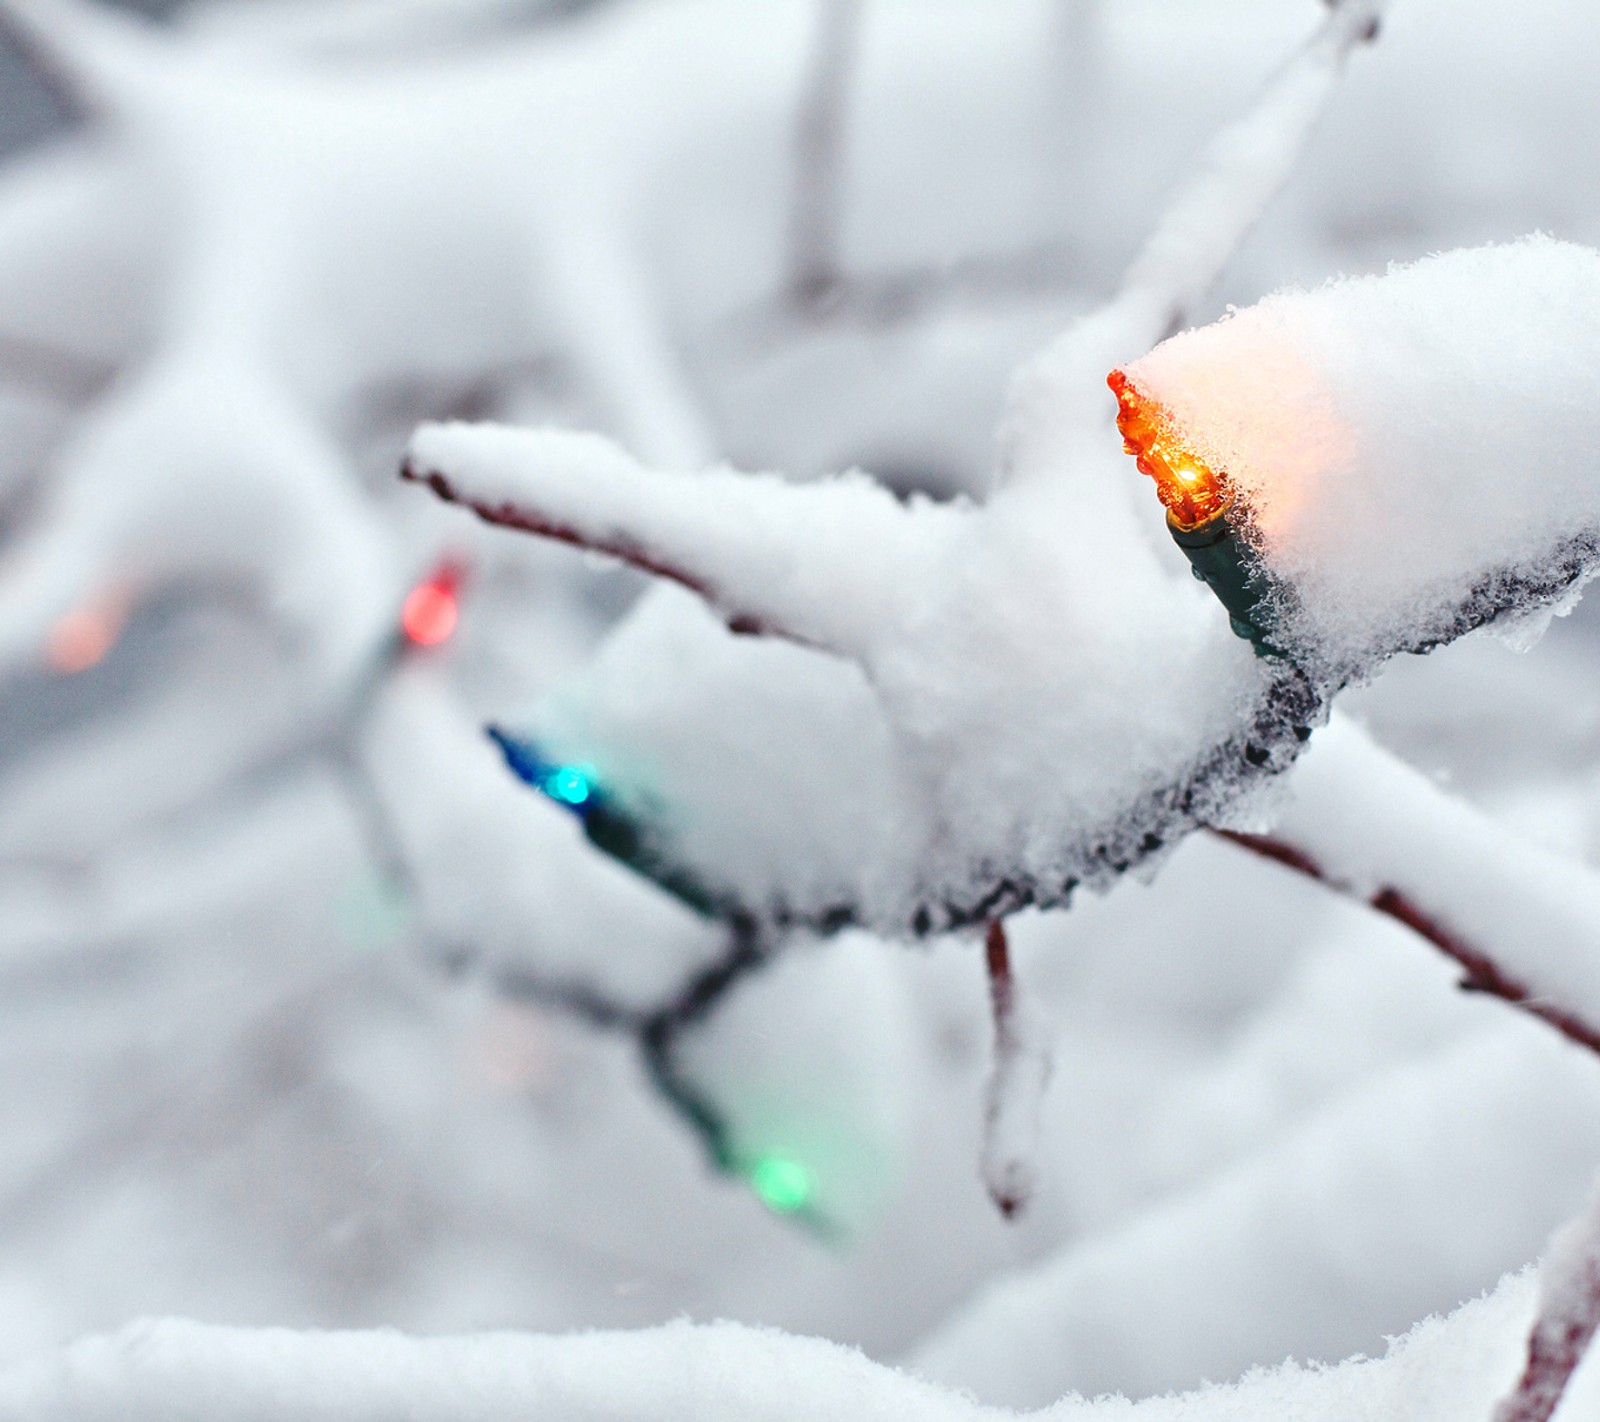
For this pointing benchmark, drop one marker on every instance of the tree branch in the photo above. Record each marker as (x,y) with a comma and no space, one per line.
(623,549)
(1233,179)
(773,557)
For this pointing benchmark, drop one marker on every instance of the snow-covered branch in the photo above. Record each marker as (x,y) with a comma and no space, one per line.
(1408,456)
(1239,172)
(1054,397)
(772,556)
(1385,1204)
(231,838)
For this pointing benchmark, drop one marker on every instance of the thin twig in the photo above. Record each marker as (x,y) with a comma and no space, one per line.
(1017,1079)
(1002,986)
(1570,1294)
(625,550)
(1483,974)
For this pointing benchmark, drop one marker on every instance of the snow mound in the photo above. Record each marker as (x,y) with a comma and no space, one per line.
(1445,1370)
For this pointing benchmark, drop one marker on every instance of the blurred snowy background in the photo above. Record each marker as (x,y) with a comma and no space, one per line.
(312,1016)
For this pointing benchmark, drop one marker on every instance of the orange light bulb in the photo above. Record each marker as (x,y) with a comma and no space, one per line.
(1192,492)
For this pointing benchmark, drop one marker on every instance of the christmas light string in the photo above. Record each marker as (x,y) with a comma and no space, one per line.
(429,617)
(782,1183)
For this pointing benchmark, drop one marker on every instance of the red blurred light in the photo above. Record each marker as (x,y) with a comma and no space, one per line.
(431,611)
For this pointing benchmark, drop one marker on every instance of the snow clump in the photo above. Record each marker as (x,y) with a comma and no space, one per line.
(1413,454)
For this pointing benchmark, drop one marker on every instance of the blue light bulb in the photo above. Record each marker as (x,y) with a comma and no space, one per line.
(569,784)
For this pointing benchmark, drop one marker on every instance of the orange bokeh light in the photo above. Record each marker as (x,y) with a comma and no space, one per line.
(1192,492)
(432,609)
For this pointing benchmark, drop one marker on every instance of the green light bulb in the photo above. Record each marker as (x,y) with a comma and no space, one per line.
(782,1185)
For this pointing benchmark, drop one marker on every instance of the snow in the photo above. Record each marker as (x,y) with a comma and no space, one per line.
(1444,1370)
(806,1062)
(674,1372)
(1569,1312)
(494,857)
(998,647)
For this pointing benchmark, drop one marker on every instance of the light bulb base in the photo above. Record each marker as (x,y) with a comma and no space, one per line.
(1224,565)
(610,827)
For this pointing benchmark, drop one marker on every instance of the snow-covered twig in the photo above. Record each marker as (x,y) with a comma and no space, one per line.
(1017,1079)
(1240,170)
(1362,474)
(775,558)
(1569,1313)
(1391,1196)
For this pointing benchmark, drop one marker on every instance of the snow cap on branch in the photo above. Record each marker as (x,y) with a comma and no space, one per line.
(771,556)
(1410,455)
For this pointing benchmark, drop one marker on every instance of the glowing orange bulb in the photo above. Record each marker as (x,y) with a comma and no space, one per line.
(431,609)
(1192,493)
(82,639)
